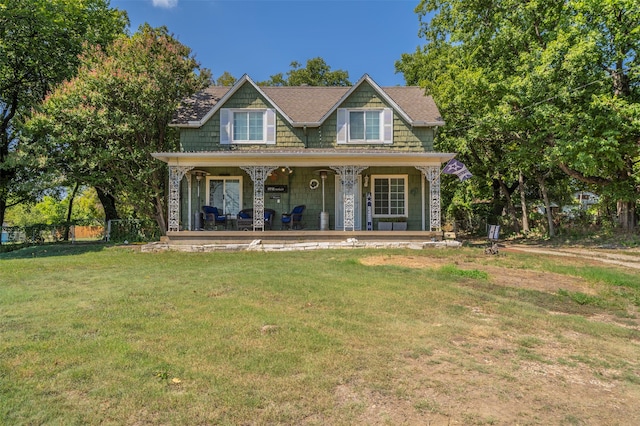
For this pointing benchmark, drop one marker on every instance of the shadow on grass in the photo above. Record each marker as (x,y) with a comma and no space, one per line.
(551,302)
(54,249)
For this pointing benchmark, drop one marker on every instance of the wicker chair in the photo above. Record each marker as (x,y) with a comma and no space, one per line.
(213,217)
(293,220)
(244,220)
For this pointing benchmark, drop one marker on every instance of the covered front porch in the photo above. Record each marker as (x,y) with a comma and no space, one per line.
(347,194)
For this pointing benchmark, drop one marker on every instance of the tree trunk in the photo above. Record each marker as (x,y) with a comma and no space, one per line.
(3,209)
(626,215)
(547,205)
(497,205)
(523,204)
(510,208)
(67,225)
(159,215)
(160,178)
(626,209)
(108,202)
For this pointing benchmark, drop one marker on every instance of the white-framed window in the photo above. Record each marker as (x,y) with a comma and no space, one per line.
(390,197)
(365,126)
(247,126)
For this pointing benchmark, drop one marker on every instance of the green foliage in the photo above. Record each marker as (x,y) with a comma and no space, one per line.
(40,42)
(102,126)
(53,210)
(226,79)
(535,88)
(133,231)
(316,73)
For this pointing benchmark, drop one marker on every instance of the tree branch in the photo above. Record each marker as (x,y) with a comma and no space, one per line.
(581,177)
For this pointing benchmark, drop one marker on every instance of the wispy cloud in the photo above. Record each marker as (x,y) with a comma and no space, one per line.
(167,4)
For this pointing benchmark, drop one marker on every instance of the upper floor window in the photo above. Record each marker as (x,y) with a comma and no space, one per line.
(253,126)
(248,126)
(365,125)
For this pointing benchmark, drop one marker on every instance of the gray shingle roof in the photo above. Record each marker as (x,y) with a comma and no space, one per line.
(198,105)
(413,101)
(309,104)
(305,104)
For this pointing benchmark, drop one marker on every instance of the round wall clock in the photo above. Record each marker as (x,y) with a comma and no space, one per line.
(313,184)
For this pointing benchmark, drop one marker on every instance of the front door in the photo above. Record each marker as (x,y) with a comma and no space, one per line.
(225,193)
(357,208)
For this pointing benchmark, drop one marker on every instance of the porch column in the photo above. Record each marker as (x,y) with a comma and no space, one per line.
(189,183)
(348,177)
(258,175)
(176,173)
(432,174)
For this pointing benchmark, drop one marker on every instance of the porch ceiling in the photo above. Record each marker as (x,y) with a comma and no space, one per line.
(306,158)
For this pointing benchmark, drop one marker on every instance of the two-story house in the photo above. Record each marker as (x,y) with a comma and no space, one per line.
(354,156)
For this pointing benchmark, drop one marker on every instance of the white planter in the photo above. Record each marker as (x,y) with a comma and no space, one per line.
(399,226)
(385,226)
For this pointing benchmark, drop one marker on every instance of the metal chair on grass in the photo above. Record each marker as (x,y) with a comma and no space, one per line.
(494,234)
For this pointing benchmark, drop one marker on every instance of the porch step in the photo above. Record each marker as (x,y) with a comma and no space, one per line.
(259,245)
(297,236)
(205,241)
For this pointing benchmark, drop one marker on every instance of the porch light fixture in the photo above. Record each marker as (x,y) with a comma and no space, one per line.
(286,169)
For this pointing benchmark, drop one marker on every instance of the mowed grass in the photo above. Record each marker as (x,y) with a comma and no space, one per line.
(108,335)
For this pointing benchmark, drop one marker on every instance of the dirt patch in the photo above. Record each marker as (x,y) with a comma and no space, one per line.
(489,377)
(487,382)
(629,259)
(519,278)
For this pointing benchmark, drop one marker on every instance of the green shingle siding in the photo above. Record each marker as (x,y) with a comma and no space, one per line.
(288,136)
(405,138)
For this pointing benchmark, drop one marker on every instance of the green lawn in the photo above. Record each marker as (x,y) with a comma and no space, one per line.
(93,334)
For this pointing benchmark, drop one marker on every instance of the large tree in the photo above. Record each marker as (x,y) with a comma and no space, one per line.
(40,41)
(596,127)
(528,88)
(316,73)
(226,79)
(103,125)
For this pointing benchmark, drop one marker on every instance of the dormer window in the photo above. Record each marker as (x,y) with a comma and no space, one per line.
(247,126)
(365,126)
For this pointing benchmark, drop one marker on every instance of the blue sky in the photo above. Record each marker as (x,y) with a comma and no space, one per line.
(262,37)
